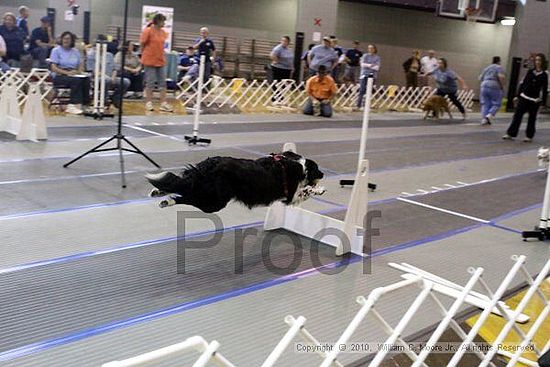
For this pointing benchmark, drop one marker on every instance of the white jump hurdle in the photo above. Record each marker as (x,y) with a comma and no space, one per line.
(10,114)
(346,236)
(208,353)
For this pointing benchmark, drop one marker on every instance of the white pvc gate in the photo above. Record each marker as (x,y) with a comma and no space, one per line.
(287,96)
(430,287)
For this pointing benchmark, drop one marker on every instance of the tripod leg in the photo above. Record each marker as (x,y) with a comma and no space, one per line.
(121,157)
(140,152)
(89,151)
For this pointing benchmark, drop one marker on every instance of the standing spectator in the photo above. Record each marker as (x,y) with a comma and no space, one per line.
(14,39)
(68,70)
(21,21)
(322,55)
(337,70)
(304,58)
(205,47)
(533,94)
(492,90)
(428,65)
(446,80)
(320,89)
(282,60)
(370,64)
(133,70)
(154,60)
(3,66)
(353,67)
(41,42)
(282,63)
(412,67)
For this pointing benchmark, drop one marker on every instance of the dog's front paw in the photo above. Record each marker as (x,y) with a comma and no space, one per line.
(319,190)
(167,202)
(156,193)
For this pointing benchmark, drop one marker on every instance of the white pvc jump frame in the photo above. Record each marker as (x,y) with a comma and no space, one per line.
(346,236)
(430,285)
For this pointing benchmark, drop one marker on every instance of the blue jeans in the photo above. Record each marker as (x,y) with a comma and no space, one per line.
(40,54)
(4,67)
(491,100)
(363,90)
(326,108)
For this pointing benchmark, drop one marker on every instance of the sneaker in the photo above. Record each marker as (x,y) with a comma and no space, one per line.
(165,107)
(527,140)
(149,106)
(485,122)
(73,109)
(507,137)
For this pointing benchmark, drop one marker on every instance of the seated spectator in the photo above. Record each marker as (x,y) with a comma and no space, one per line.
(14,39)
(112,80)
(320,89)
(21,21)
(322,54)
(41,42)
(133,70)
(3,66)
(186,61)
(68,70)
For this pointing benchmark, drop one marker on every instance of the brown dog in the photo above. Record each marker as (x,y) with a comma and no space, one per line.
(437,105)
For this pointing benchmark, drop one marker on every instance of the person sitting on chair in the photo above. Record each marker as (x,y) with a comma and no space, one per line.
(68,70)
(320,89)
(112,80)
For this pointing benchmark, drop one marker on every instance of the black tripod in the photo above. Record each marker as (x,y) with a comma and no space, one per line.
(119,137)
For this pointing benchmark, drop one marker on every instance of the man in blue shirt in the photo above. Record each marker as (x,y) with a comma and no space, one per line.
(205,47)
(186,60)
(14,39)
(353,63)
(41,42)
(22,20)
(322,54)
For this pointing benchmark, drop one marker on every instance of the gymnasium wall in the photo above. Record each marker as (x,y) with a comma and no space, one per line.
(396,32)
(264,19)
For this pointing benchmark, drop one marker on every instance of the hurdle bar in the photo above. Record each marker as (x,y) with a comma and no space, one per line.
(194,139)
(208,353)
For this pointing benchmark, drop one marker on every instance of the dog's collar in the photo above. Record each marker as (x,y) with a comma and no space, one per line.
(278,158)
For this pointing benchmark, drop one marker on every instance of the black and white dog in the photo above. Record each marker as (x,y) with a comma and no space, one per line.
(212,183)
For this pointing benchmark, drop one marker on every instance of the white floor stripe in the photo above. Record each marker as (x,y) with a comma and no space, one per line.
(154,133)
(462,183)
(451,186)
(423,191)
(444,210)
(436,188)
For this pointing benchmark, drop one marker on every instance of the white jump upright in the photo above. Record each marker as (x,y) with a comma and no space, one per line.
(542,231)
(208,353)
(100,88)
(33,122)
(195,139)
(346,236)
(10,114)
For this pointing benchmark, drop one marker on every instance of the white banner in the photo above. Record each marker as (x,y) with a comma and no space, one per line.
(147,16)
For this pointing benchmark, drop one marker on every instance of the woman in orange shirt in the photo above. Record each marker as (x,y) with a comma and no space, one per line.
(154,61)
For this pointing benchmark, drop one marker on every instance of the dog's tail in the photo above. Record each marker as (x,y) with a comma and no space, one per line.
(167,182)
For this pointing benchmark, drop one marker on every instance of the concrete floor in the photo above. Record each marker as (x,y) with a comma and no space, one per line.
(89,266)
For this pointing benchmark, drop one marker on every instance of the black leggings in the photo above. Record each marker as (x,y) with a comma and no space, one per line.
(530,107)
(453,97)
(80,88)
